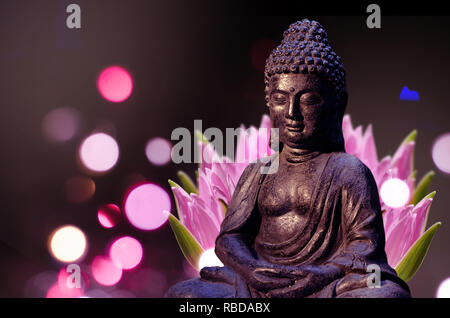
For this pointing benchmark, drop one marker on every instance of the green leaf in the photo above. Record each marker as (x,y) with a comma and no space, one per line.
(224,206)
(187,183)
(173,184)
(422,188)
(430,195)
(201,137)
(413,259)
(188,244)
(411,137)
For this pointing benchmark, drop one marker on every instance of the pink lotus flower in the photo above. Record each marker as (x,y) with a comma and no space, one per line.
(362,146)
(202,211)
(403,225)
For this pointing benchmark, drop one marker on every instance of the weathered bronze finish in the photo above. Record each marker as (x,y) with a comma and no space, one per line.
(314,228)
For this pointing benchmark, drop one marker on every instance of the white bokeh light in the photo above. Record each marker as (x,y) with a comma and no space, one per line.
(67,243)
(394,193)
(99,152)
(441,153)
(209,258)
(443,290)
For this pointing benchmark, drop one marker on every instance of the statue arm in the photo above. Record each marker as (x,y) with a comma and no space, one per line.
(234,245)
(234,251)
(362,222)
(362,226)
(240,226)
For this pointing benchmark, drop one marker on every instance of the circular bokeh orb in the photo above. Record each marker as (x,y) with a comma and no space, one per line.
(61,124)
(38,285)
(145,205)
(126,252)
(99,152)
(395,192)
(72,281)
(441,153)
(67,244)
(158,151)
(56,292)
(105,271)
(79,189)
(115,84)
(209,258)
(443,290)
(109,215)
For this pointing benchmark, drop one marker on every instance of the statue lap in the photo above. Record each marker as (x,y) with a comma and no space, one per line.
(205,288)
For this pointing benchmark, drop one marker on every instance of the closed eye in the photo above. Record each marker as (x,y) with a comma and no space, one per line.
(279,98)
(311,99)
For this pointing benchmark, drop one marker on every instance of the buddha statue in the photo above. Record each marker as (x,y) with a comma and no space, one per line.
(314,227)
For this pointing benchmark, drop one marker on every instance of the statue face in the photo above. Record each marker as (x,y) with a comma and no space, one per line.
(301,107)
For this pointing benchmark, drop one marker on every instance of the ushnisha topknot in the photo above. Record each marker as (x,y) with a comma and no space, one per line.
(305,49)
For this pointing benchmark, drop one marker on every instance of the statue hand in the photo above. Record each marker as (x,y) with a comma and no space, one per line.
(308,279)
(266,276)
(298,289)
(218,274)
(304,280)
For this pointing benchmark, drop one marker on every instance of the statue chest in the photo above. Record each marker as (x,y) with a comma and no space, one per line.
(288,190)
(284,201)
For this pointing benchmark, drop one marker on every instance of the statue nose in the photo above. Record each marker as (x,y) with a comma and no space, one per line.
(293,110)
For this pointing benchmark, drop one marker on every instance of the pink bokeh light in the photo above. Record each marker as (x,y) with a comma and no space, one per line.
(67,283)
(61,124)
(115,84)
(99,152)
(54,292)
(126,252)
(158,151)
(105,271)
(62,288)
(144,206)
(109,215)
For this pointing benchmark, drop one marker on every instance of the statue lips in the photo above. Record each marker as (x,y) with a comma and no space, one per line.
(295,127)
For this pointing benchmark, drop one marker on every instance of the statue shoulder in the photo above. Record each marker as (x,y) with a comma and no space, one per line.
(255,166)
(351,169)
(243,199)
(250,178)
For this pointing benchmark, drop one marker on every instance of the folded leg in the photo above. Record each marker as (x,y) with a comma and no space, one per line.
(214,282)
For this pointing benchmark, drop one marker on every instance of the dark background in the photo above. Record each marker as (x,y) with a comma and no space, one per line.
(188,61)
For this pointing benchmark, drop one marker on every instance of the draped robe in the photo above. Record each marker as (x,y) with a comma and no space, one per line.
(345,230)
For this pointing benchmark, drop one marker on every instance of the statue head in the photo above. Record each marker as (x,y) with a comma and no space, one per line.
(305,89)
